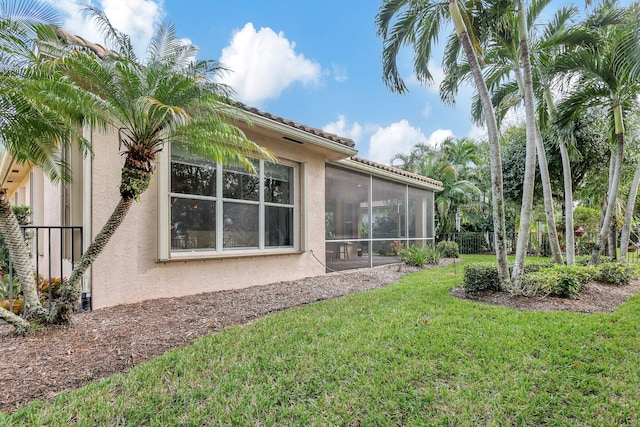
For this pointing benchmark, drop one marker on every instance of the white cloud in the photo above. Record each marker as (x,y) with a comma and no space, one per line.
(264,63)
(396,138)
(136,18)
(426,111)
(341,128)
(478,133)
(340,73)
(438,136)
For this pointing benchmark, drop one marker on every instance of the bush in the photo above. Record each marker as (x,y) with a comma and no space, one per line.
(533,266)
(585,247)
(560,280)
(583,260)
(448,249)
(481,277)
(616,273)
(420,255)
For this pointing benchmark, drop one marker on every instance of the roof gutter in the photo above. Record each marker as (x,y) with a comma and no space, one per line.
(5,167)
(361,167)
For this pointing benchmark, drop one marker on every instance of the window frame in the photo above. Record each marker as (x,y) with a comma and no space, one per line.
(167,253)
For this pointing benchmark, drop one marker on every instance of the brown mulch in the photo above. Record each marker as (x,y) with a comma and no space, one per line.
(108,341)
(594,297)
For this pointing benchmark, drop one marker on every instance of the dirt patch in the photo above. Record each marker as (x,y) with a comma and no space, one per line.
(104,342)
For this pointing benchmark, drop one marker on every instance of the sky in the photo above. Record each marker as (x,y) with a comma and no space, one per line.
(316,63)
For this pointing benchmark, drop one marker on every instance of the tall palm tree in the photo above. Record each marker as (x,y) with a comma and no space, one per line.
(40,110)
(602,78)
(418,24)
(168,98)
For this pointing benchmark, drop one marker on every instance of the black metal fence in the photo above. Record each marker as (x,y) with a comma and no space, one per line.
(54,250)
(482,243)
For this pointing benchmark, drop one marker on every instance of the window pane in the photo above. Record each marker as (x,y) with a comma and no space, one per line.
(278,180)
(193,224)
(238,183)
(388,209)
(190,178)
(279,226)
(240,225)
(417,212)
(346,204)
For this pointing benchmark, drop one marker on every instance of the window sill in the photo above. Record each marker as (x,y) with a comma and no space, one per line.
(199,256)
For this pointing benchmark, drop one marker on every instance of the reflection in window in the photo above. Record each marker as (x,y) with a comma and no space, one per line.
(193,223)
(190,178)
(277,183)
(231,210)
(238,183)
(278,226)
(240,225)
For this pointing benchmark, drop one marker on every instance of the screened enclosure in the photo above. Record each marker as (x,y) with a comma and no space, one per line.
(368,219)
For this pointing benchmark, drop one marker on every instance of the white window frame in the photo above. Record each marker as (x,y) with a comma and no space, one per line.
(165,253)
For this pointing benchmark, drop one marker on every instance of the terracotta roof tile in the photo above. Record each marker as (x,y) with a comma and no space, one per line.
(397,171)
(314,131)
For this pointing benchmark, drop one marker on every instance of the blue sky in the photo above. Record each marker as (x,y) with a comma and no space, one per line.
(317,63)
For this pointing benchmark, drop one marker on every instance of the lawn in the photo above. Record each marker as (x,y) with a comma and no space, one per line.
(407,354)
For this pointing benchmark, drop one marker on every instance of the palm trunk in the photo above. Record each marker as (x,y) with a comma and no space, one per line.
(71,289)
(549,211)
(21,325)
(19,252)
(628,214)
(530,156)
(568,186)
(611,200)
(499,228)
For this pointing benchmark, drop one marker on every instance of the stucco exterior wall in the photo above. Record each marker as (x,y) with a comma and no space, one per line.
(128,271)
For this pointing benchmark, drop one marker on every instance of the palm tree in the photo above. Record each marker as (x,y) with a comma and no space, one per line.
(40,110)
(418,24)
(441,165)
(603,78)
(170,97)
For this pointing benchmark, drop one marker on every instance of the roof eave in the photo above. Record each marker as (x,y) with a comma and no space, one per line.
(297,135)
(358,166)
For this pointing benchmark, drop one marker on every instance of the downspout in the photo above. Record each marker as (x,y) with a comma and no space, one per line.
(87,192)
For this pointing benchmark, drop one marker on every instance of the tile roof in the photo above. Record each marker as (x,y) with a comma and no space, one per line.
(67,38)
(397,171)
(330,136)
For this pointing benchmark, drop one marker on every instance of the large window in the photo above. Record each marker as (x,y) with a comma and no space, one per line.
(219,209)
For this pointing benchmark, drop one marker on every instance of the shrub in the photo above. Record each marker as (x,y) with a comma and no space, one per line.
(481,277)
(420,255)
(560,280)
(585,247)
(533,266)
(616,273)
(448,249)
(583,260)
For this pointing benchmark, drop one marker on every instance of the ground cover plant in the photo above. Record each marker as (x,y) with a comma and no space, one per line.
(407,354)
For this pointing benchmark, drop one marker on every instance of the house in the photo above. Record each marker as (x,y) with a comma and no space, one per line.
(204,227)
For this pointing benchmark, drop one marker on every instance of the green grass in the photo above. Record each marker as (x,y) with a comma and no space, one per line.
(407,354)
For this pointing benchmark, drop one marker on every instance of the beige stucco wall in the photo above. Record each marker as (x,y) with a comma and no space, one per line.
(128,271)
